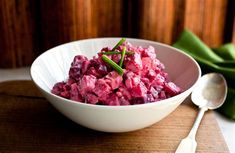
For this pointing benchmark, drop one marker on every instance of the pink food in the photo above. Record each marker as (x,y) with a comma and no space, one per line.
(96,82)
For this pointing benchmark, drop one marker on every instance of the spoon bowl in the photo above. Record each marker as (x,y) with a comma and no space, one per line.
(209,93)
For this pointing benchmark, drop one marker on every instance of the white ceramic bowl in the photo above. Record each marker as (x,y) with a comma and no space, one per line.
(53,65)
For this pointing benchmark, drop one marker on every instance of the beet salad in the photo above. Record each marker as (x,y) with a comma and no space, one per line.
(122,75)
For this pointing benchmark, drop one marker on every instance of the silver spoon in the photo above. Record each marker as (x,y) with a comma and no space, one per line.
(209,93)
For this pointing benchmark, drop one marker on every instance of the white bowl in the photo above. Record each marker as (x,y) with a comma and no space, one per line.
(53,65)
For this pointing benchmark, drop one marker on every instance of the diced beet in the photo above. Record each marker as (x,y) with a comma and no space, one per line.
(129,74)
(133,63)
(162,95)
(70,81)
(154,92)
(146,82)
(85,65)
(93,71)
(157,80)
(102,88)
(139,49)
(65,94)
(102,69)
(151,64)
(123,101)
(99,71)
(132,82)
(165,75)
(138,100)
(151,74)
(75,70)
(136,81)
(97,68)
(128,83)
(124,92)
(91,98)
(157,65)
(147,65)
(149,98)
(113,79)
(139,91)
(74,93)
(172,89)
(149,52)
(130,47)
(106,49)
(78,60)
(58,88)
(116,58)
(128,79)
(87,84)
(112,100)
(66,87)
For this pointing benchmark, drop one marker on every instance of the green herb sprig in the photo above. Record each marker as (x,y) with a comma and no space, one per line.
(119,43)
(122,56)
(114,65)
(115,52)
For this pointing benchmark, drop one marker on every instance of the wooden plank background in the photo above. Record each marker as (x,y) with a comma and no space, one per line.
(29,28)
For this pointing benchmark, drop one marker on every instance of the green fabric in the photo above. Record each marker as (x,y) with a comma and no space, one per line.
(227,51)
(228,108)
(190,43)
(220,60)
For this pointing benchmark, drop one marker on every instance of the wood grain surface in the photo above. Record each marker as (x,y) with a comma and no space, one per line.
(18,32)
(28,123)
(29,28)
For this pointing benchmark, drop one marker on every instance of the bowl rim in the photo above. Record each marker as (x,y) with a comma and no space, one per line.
(121,106)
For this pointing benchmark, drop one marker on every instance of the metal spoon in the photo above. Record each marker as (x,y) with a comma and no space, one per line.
(209,93)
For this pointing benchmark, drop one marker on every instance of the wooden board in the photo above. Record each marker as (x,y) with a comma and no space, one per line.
(28,123)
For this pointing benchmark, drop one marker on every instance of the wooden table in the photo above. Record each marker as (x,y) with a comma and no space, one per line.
(28,123)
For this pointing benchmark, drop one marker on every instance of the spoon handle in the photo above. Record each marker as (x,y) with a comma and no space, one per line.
(189,144)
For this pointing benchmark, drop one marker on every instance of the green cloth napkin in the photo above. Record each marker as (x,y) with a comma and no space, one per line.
(221,60)
(226,51)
